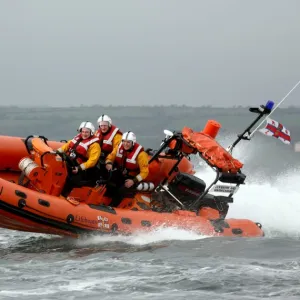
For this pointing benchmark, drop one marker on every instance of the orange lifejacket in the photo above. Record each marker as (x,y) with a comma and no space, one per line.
(80,147)
(128,159)
(106,139)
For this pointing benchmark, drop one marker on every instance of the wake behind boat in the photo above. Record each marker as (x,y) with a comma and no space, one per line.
(32,175)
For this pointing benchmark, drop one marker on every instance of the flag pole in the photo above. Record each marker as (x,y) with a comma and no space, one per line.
(251,134)
(263,110)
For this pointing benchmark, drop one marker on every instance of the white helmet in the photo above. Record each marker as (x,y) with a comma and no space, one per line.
(80,126)
(104,118)
(88,125)
(129,136)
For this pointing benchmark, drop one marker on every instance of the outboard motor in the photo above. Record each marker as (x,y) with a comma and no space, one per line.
(186,187)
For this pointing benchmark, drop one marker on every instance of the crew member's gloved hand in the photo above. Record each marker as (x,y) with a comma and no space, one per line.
(109,166)
(75,170)
(129,183)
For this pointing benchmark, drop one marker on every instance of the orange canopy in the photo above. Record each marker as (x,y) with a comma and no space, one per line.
(212,151)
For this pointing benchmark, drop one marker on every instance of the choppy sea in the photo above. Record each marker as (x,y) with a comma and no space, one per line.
(170,263)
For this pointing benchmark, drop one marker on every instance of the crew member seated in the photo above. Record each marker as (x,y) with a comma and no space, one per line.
(84,152)
(131,162)
(109,138)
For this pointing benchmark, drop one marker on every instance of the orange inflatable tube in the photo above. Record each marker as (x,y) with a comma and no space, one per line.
(12,149)
(36,212)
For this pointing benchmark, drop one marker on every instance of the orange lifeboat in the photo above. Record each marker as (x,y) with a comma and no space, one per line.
(32,176)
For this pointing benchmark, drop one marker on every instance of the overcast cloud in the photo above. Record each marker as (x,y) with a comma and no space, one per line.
(192,52)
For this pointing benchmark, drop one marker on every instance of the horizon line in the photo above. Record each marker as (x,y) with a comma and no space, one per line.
(136,106)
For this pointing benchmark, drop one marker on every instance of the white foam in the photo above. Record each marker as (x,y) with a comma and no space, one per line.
(275,205)
(138,239)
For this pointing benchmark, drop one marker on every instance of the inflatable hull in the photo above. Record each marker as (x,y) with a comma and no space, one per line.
(27,210)
(35,205)
(12,149)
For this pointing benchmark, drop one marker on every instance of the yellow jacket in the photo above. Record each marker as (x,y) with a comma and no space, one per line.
(115,143)
(142,160)
(93,154)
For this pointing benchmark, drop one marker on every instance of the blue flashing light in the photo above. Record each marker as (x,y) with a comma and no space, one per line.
(269,105)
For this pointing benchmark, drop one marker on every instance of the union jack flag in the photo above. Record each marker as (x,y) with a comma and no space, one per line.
(277,130)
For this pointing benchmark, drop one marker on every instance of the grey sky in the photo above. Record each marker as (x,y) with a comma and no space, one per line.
(193,52)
